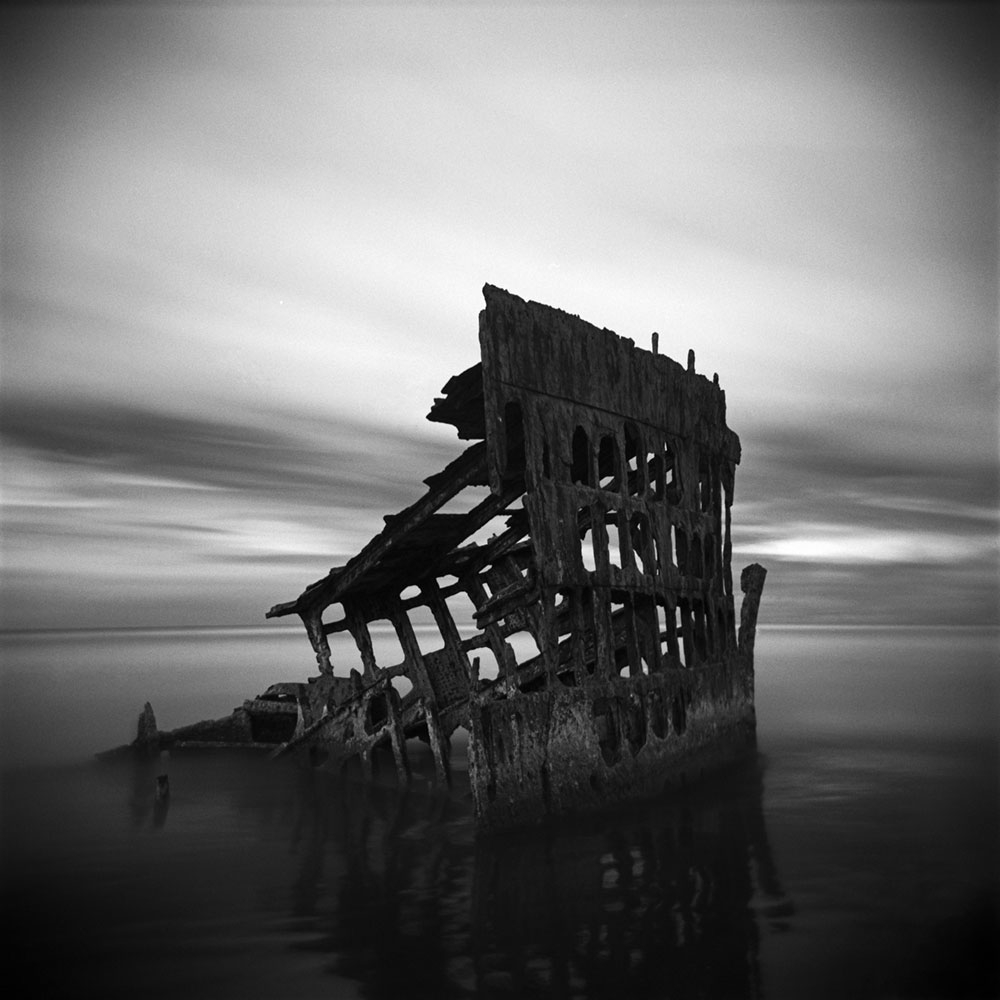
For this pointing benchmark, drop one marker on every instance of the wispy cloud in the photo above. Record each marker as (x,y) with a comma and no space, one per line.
(862,534)
(277,455)
(134,498)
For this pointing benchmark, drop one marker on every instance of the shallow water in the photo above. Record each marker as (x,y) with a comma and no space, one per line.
(857,856)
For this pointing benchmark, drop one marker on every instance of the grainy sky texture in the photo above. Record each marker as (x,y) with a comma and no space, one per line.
(243,247)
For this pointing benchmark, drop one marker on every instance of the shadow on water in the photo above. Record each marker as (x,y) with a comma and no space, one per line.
(252,879)
(658,901)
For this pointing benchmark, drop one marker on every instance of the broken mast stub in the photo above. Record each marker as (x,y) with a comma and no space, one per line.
(602,547)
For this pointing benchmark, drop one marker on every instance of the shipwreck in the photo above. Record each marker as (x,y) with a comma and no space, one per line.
(581,547)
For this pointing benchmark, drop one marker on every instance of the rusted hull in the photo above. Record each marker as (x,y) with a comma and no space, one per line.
(556,753)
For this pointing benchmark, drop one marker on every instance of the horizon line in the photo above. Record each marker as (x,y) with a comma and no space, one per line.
(289,627)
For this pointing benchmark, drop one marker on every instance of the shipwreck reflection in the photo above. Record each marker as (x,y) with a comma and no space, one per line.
(662,900)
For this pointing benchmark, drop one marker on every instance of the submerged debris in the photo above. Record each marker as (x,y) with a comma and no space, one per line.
(260,723)
(575,562)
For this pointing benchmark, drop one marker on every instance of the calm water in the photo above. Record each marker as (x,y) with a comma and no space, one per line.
(856,857)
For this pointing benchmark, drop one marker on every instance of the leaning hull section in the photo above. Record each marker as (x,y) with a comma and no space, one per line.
(563,587)
(557,753)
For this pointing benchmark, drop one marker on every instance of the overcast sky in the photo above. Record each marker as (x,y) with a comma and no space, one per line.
(243,247)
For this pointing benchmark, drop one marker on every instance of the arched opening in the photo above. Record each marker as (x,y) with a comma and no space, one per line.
(642,544)
(657,715)
(376,713)
(678,714)
(607,463)
(608,736)
(580,466)
(681,548)
(694,554)
(668,485)
(636,469)
(513,423)
(635,720)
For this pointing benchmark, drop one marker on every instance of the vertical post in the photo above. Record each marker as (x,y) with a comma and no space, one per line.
(396,735)
(358,628)
(314,629)
(751,583)
(440,744)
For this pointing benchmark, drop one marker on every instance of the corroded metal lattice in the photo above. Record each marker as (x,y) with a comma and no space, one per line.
(581,546)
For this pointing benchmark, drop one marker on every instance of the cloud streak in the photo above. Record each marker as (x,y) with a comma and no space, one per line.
(278,455)
(855,533)
(139,498)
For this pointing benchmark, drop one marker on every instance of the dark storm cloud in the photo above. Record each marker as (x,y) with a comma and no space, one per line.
(352,464)
(784,461)
(853,531)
